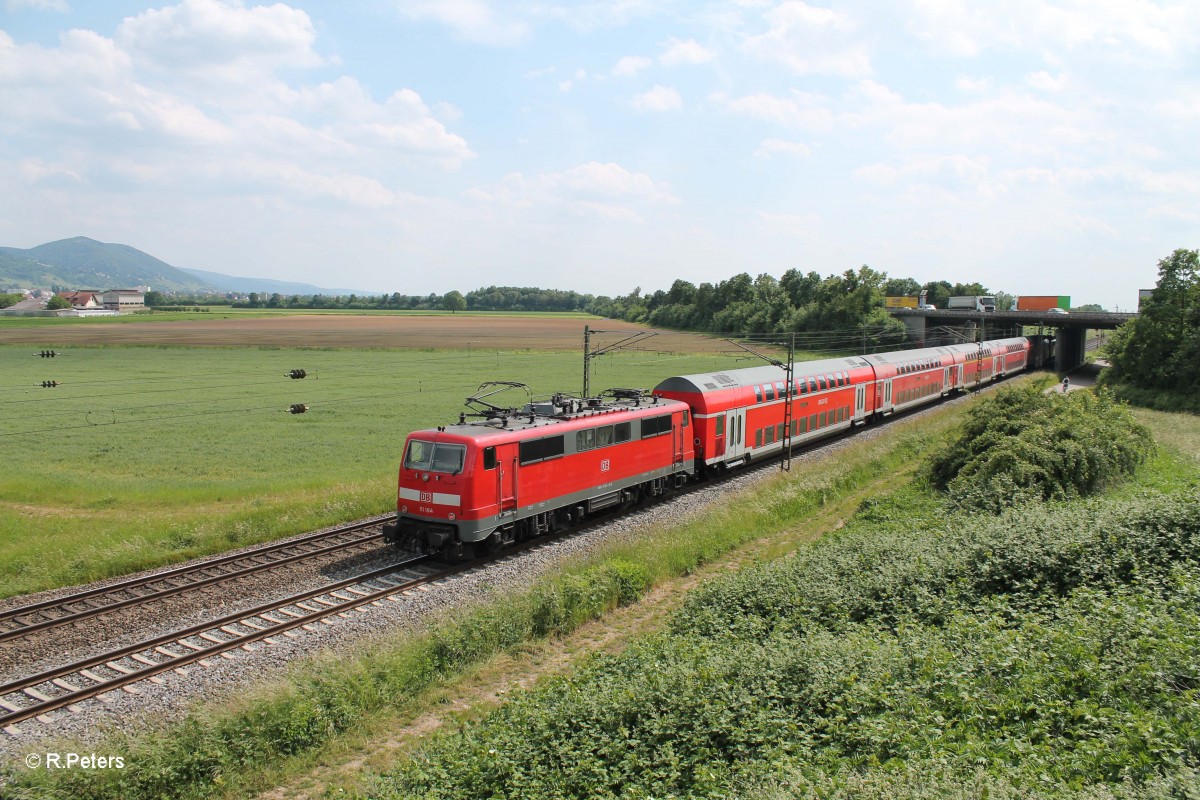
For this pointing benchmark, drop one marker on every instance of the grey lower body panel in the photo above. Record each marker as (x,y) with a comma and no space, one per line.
(592,499)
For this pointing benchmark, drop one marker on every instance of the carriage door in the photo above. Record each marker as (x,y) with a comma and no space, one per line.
(735,440)
(860,398)
(506,477)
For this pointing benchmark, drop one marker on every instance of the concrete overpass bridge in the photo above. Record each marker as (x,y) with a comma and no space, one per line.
(936,327)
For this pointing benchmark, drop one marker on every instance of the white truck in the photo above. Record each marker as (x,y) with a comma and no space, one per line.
(973,302)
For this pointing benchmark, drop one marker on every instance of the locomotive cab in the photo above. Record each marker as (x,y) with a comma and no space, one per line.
(432,491)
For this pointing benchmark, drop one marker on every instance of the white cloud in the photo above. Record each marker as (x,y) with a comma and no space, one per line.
(605,190)
(220,36)
(689,52)
(1125,29)
(476,21)
(631,65)
(660,98)
(781,147)
(37,5)
(810,40)
(1046,82)
(802,110)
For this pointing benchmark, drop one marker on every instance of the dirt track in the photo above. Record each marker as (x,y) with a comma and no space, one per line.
(335,330)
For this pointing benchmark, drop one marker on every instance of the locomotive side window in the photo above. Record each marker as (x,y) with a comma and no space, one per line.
(623,431)
(604,436)
(542,449)
(656,426)
(489,458)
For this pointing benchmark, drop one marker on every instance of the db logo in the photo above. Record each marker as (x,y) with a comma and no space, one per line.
(426,497)
(604,465)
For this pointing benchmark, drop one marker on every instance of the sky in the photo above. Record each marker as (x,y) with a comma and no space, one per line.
(421,146)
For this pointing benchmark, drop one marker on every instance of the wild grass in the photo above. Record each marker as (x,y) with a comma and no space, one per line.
(147,455)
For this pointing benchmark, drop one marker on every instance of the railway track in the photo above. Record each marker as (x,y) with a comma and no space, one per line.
(37,695)
(84,605)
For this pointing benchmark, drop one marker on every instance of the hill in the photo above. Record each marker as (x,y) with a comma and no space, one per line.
(84,263)
(263,285)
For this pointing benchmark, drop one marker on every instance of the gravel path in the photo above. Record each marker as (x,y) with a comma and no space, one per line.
(149,701)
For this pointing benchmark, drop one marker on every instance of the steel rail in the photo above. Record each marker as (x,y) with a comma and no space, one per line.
(208,633)
(204,570)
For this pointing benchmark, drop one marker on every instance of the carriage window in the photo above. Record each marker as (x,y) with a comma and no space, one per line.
(758,394)
(489,458)
(821,382)
(770,391)
(812,384)
(758,438)
(720,426)
(803,386)
(779,389)
(685,419)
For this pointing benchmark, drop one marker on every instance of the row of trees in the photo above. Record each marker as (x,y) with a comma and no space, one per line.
(845,308)
(1159,351)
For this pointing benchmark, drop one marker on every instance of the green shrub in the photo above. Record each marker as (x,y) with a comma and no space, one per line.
(1051,653)
(1024,445)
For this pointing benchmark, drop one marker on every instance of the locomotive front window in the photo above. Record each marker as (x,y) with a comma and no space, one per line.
(435,457)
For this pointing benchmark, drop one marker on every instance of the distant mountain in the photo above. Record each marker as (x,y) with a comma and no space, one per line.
(83,263)
(264,285)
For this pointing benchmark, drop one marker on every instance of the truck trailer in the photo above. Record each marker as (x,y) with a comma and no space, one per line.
(973,302)
(1043,302)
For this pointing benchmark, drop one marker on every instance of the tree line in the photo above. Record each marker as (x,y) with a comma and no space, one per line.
(1155,357)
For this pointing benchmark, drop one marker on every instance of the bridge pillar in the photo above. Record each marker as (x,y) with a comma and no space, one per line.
(1070,348)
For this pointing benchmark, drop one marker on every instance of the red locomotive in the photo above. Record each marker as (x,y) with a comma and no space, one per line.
(524,471)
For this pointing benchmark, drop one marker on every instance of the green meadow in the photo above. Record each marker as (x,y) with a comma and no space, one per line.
(144,455)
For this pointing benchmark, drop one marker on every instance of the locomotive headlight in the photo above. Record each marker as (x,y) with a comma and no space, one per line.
(424,476)
(451,516)
(403,509)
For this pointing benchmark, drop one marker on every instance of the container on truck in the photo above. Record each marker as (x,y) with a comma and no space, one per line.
(900,302)
(1043,302)
(973,302)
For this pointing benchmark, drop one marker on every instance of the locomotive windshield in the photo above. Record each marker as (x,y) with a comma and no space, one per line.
(435,457)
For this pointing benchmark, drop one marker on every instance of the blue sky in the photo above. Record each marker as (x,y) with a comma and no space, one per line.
(422,146)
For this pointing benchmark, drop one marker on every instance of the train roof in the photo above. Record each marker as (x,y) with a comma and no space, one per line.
(551,416)
(755,376)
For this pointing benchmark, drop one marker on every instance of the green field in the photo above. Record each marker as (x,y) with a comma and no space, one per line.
(148,455)
(226,312)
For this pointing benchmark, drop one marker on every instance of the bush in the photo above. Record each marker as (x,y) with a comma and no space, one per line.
(1023,445)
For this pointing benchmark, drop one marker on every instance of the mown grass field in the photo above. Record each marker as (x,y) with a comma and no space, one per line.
(153,454)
